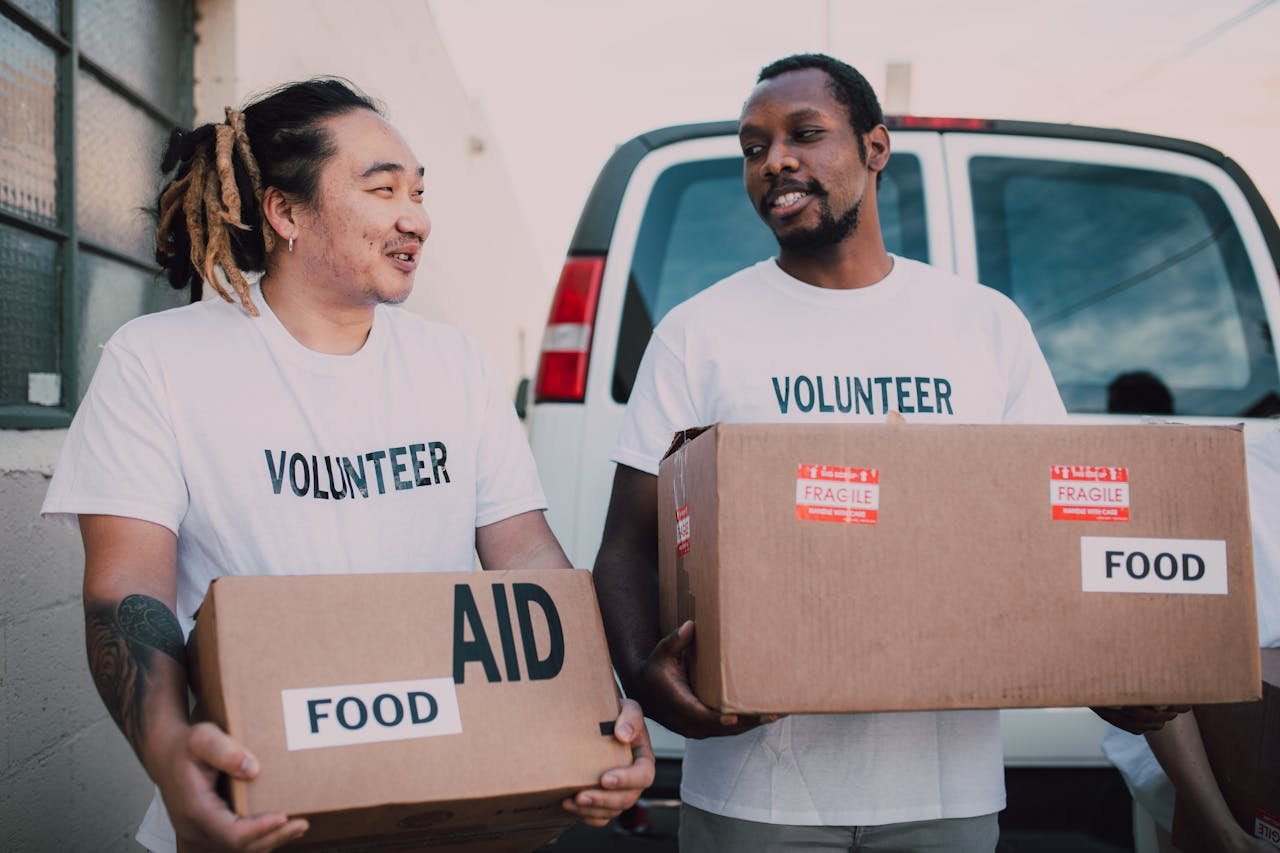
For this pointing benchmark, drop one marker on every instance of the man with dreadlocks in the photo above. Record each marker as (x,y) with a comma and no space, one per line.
(297,425)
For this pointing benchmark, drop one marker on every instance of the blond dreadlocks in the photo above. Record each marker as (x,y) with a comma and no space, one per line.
(207,195)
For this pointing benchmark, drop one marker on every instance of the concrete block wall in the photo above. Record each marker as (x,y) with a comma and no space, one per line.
(68,779)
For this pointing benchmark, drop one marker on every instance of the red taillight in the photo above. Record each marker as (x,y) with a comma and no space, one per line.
(938,123)
(566,345)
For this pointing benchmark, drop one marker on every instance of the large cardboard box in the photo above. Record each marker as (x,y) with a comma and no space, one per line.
(912,567)
(445,710)
(1242,743)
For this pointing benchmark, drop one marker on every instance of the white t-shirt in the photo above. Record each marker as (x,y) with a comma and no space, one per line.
(1131,754)
(265,457)
(763,347)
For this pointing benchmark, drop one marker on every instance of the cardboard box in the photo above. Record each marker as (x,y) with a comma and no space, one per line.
(441,709)
(885,567)
(1242,743)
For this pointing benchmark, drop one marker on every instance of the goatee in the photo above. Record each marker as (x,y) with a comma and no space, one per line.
(828,232)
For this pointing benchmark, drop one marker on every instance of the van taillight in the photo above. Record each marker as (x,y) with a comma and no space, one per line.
(566,345)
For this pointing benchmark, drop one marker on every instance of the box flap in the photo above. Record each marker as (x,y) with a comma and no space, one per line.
(684,436)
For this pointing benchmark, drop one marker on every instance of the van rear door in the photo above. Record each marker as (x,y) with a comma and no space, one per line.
(1127,260)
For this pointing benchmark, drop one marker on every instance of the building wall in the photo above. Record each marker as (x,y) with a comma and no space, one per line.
(68,779)
(479,269)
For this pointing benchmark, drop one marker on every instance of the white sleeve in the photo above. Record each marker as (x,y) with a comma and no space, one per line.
(506,476)
(120,456)
(1264,507)
(661,403)
(1033,395)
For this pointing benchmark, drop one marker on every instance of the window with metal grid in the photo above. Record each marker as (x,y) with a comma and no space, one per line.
(88,92)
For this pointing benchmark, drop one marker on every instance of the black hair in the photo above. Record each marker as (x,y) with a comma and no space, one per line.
(210,212)
(846,85)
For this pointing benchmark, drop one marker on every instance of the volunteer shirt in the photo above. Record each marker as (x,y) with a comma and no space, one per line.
(763,347)
(1130,753)
(265,457)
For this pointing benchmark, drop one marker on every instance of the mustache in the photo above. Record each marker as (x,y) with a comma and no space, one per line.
(811,187)
(411,240)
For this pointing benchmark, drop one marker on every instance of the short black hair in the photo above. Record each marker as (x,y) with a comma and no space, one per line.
(846,85)
(1139,392)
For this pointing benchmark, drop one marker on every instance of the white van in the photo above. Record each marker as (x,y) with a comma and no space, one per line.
(1137,258)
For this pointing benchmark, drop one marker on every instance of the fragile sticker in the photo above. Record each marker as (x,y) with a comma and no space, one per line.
(1175,566)
(837,493)
(682,530)
(346,714)
(1089,493)
(1267,827)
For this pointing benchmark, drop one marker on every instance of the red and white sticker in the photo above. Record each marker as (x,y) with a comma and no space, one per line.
(836,493)
(1267,827)
(1089,493)
(682,530)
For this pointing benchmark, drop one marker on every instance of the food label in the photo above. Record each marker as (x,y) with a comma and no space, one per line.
(346,714)
(1178,566)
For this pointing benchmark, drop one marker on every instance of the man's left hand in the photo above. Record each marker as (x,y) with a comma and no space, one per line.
(620,787)
(1140,719)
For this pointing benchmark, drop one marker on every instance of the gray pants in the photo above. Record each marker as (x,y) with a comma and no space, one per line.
(704,832)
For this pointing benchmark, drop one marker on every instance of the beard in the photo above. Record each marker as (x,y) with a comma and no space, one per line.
(391,298)
(828,232)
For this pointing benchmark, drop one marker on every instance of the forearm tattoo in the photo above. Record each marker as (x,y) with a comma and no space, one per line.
(122,640)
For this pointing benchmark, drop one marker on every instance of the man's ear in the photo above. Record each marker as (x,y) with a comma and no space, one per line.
(280,213)
(877,142)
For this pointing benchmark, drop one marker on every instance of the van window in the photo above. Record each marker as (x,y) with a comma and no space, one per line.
(1136,282)
(699,227)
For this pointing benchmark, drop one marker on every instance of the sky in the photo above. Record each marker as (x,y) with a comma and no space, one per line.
(561,83)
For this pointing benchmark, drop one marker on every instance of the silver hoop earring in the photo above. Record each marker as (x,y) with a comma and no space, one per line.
(291,245)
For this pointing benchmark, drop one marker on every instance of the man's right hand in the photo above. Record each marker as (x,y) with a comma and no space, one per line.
(131,565)
(669,699)
(201,819)
(652,669)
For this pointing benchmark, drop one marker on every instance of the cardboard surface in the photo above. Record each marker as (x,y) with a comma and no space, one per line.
(1242,743)
(912,567)
(443,710)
